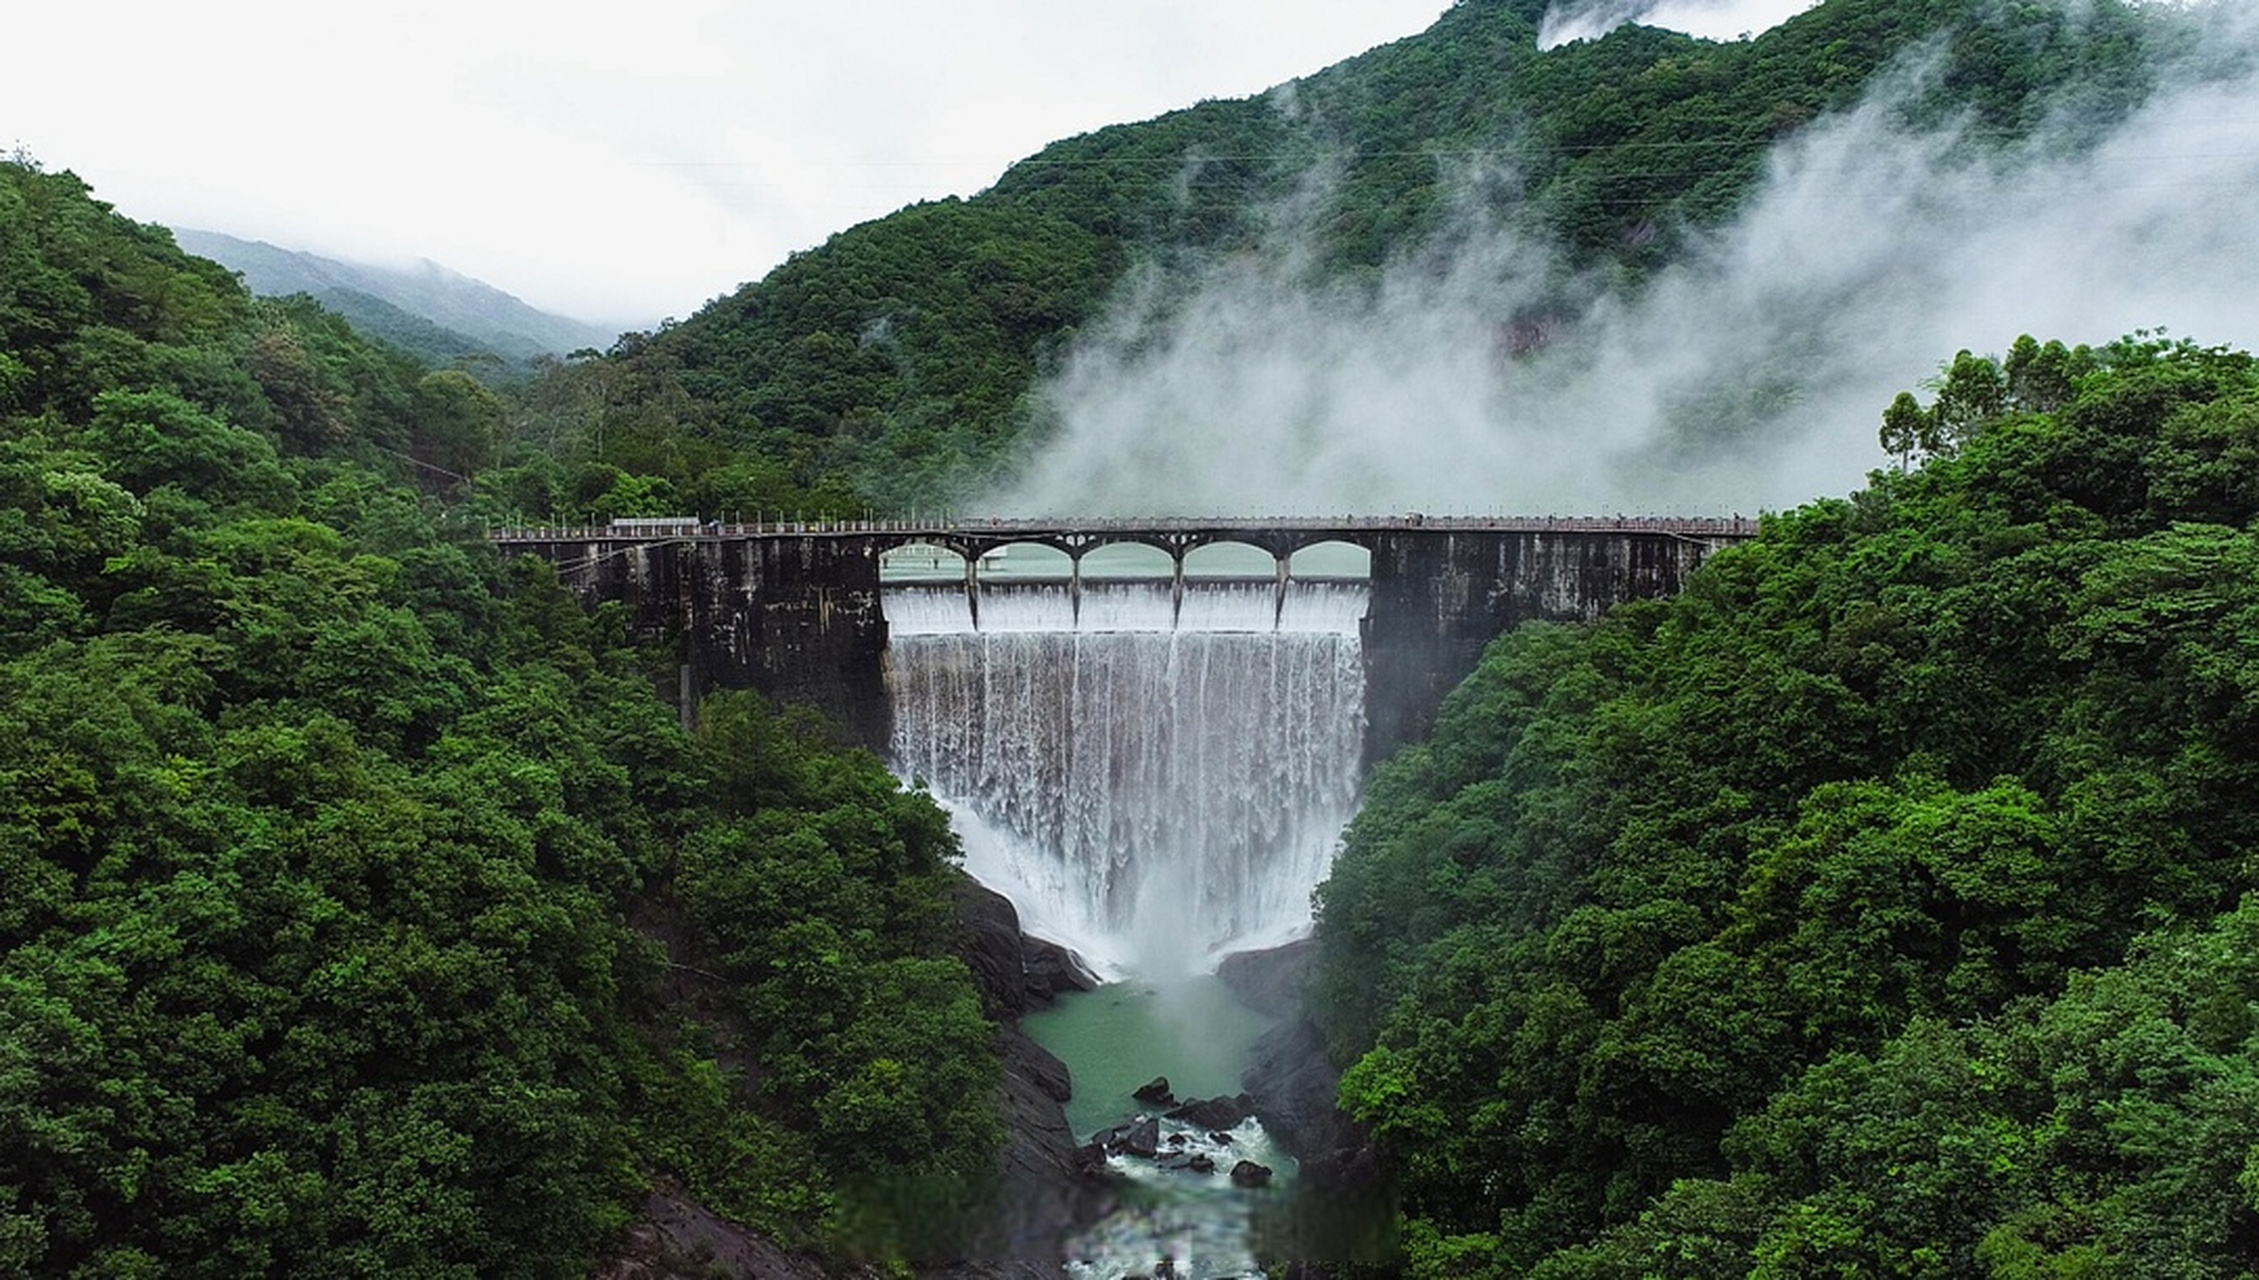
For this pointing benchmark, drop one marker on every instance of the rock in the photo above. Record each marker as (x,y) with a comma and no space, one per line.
(1201,1162)
(1155,1092)
(1247,1173)
(1215,1113)
(1050,971)
(993,948)
(1047,1187)
(1292,1083)
(676,1238)
(1038,1065)
(1144,1138)
(1140,1137)
(1295,1088)
(1015,973)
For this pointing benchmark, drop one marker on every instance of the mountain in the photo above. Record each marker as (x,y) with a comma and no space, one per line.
(1339,281)
(436,314)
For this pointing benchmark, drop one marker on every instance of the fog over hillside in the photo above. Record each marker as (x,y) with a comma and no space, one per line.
(1751,375)
(1588,19)
(458,304)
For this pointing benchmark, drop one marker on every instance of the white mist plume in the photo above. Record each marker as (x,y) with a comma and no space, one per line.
(1750,375)
(1716,19)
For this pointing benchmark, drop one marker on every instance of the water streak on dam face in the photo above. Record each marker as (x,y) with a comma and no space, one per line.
(1151,778)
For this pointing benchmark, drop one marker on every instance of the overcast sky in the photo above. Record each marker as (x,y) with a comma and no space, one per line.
(621,163)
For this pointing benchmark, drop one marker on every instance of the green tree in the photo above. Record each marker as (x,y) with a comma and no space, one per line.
(1971,392)
(1906,428)
(457,423)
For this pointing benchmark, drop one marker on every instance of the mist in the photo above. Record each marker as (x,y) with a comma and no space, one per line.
(1750,376)
(1573,20)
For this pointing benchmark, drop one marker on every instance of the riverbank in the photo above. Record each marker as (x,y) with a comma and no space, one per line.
(1342,1209)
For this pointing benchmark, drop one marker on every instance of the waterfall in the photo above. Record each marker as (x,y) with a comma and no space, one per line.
(1153,776)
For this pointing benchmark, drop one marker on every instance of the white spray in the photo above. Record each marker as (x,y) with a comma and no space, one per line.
(1153,781)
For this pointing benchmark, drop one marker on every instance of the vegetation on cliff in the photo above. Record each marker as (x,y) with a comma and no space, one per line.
(1879,905)
(362,911)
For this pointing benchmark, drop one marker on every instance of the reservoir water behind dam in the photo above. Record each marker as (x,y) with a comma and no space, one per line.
(1157,772)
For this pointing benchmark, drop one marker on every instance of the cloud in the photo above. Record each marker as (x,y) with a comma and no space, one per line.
(1576,20)
(609,163)
(1752,375)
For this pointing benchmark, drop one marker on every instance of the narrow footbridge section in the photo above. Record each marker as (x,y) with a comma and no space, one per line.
(793,609)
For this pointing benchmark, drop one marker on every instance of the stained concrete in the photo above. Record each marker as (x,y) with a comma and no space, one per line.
(795,613)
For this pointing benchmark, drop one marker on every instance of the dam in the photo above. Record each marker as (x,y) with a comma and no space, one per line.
(793,608)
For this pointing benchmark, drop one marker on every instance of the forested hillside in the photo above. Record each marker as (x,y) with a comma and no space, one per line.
(362,910)
(1880,906)
(896,363)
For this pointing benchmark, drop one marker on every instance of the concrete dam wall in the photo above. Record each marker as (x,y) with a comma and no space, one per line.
(794,610)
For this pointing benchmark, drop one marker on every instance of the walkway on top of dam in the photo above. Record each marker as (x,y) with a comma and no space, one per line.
(1175,534)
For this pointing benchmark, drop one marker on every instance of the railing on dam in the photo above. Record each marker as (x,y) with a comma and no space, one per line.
(948,525)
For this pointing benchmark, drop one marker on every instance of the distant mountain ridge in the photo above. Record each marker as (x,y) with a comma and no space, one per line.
(428,310)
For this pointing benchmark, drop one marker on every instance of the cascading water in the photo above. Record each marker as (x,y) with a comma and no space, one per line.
(1153,776)
(1154,773)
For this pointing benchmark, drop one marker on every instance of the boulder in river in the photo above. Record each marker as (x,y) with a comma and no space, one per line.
(1247,1173)
(1187,1162)
(1140,1137)
(1270,982)
(1051,971)
(1215,1113)
(1155,1092)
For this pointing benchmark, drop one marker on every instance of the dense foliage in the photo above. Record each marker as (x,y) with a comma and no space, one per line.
(896,363)
(362,911)
(1876,907)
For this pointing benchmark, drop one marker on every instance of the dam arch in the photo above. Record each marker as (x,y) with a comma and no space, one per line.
(922,562)
(1227,558)
(1128,559)
(1331,559)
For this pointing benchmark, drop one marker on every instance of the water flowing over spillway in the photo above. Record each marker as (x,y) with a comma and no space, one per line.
(1152,775)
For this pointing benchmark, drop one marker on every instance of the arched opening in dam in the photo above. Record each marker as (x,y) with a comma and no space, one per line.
(1331,560)
(1211,561)
(922,562)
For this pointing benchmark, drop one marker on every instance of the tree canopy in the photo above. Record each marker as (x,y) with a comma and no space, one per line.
(362,911)
(1867,909)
